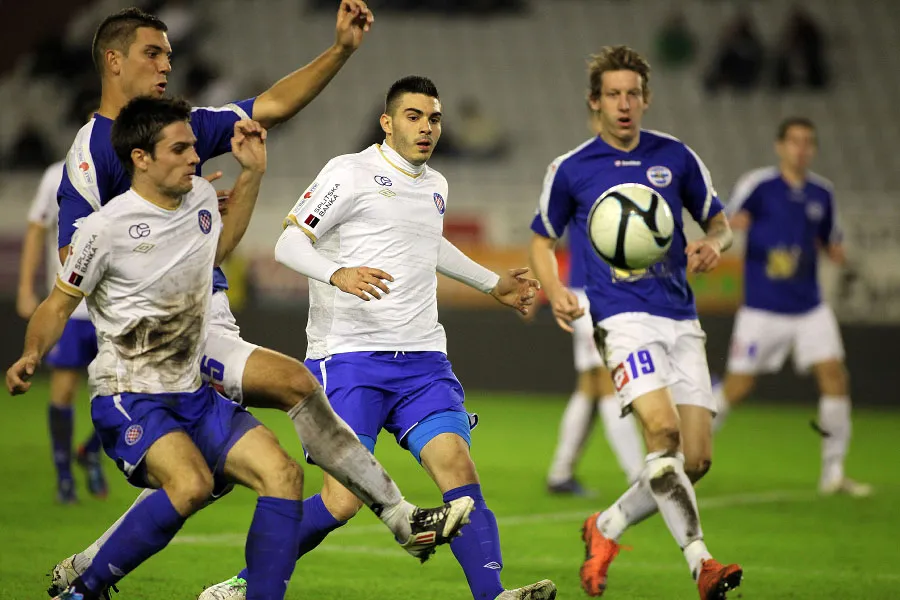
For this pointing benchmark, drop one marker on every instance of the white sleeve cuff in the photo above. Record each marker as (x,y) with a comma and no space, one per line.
(456,265)
(295,251)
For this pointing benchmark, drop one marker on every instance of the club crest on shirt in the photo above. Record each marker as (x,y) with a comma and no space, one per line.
(659,176)
(133,434)
(205,220)
(439,203)
(815,211)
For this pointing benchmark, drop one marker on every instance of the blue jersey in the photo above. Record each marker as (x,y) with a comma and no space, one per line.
(575,180)
(788,225)
(94,175)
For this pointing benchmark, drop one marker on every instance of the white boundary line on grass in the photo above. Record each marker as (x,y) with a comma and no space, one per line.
(714,502)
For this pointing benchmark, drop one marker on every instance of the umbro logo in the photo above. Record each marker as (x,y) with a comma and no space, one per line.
(144,248)
(493,565)
(387,193)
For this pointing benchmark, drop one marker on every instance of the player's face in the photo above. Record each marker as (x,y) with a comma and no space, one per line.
(145,69)
(798,148)
(413,130)
(175,160)
(620,105)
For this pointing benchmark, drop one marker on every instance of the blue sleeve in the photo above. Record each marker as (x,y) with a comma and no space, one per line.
(829,231)
(697,192)
(72,208)
(214,127)
(556,206)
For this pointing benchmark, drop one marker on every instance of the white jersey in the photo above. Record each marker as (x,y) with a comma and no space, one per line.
(373,209)
(147,273)
(44,211)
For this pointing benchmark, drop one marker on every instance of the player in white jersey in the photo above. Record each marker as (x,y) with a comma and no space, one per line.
(368,232)
(646,322)
(790,217)
(71,355)
(166,428)
(132,54)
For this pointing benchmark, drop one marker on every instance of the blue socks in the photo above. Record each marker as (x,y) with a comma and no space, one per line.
(317,523)
(93,445)
(146,529)
(272,543)
(61,426)
(477,550)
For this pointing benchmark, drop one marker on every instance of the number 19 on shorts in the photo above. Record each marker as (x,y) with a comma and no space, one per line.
(636,364)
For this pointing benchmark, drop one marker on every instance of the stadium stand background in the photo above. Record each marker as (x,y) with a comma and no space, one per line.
(524,67)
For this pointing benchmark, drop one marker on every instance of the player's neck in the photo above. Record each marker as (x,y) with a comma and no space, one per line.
(112,101)
(152,194)
(624,145)
(794,177)
(396,159)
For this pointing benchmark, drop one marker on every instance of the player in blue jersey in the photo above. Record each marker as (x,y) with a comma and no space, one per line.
(646,322)
(71,355)
(594,392)
(132,54)
(789,215)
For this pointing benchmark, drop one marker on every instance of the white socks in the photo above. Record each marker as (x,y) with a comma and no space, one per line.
(623,437)
(834,419)
(574,429)
(635,505)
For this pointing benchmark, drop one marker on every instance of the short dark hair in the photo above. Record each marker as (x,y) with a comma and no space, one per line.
(117,32)
(786,125)
(140,123)
(411,84)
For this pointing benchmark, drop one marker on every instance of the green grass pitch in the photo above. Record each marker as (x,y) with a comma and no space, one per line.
(758,507)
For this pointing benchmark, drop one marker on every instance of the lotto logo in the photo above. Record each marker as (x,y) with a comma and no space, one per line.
(620,376)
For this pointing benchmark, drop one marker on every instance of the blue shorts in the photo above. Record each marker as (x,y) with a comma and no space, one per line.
(76,348)
(413,395)
(129,424)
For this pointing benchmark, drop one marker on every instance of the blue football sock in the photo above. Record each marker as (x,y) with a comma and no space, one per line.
(272,543)
(61,426)
(317,523)
(477,549)
(146,529)
(92,445)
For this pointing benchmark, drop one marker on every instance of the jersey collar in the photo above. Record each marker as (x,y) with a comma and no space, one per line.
(393,158)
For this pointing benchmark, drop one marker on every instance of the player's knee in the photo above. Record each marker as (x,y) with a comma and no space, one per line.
(190,492)
(696,468)
(833,378)
(283,480)
(662,436)
(342,504)
(298,386)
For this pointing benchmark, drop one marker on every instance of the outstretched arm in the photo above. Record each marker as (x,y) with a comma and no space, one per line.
(294,91)
(32,254)
(249,148)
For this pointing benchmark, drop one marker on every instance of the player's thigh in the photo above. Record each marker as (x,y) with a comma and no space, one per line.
(696,440)
(659,419)
(258,461)
(447,461)
(275,380)
(173,462)
(64,384)
(760,342)
(339,501)
(225,361)
(818,339)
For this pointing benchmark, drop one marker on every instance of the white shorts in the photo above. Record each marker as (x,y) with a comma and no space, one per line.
(587,357)
(226,353)
(646,353)
(762,340)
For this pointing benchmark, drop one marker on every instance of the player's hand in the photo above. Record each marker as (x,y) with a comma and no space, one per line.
(18,375)
(516,290)
(249,145)
(565,308)
(703,255)
(354,19)
(362,282)
(26,303)
(222,196)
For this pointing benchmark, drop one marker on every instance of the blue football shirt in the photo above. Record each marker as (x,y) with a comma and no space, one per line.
(788,227)
(94,175)
(574,182)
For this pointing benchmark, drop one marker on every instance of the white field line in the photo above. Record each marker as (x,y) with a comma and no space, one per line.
(712,503)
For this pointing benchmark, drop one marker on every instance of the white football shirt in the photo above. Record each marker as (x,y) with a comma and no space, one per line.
(374,209)
(147,273)
(44,211)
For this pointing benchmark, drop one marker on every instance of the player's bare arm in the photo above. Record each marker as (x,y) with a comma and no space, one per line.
(290,94)
(44,330)
(703,254)
(32,253)
(362,282)
(546,268)
(741,221)
(837,254)
(249,148)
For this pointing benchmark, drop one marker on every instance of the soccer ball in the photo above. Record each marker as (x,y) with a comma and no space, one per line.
(630,226)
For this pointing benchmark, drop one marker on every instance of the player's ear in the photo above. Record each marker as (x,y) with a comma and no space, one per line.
(593,102)
(113,61)
(386,124)
(140,159)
